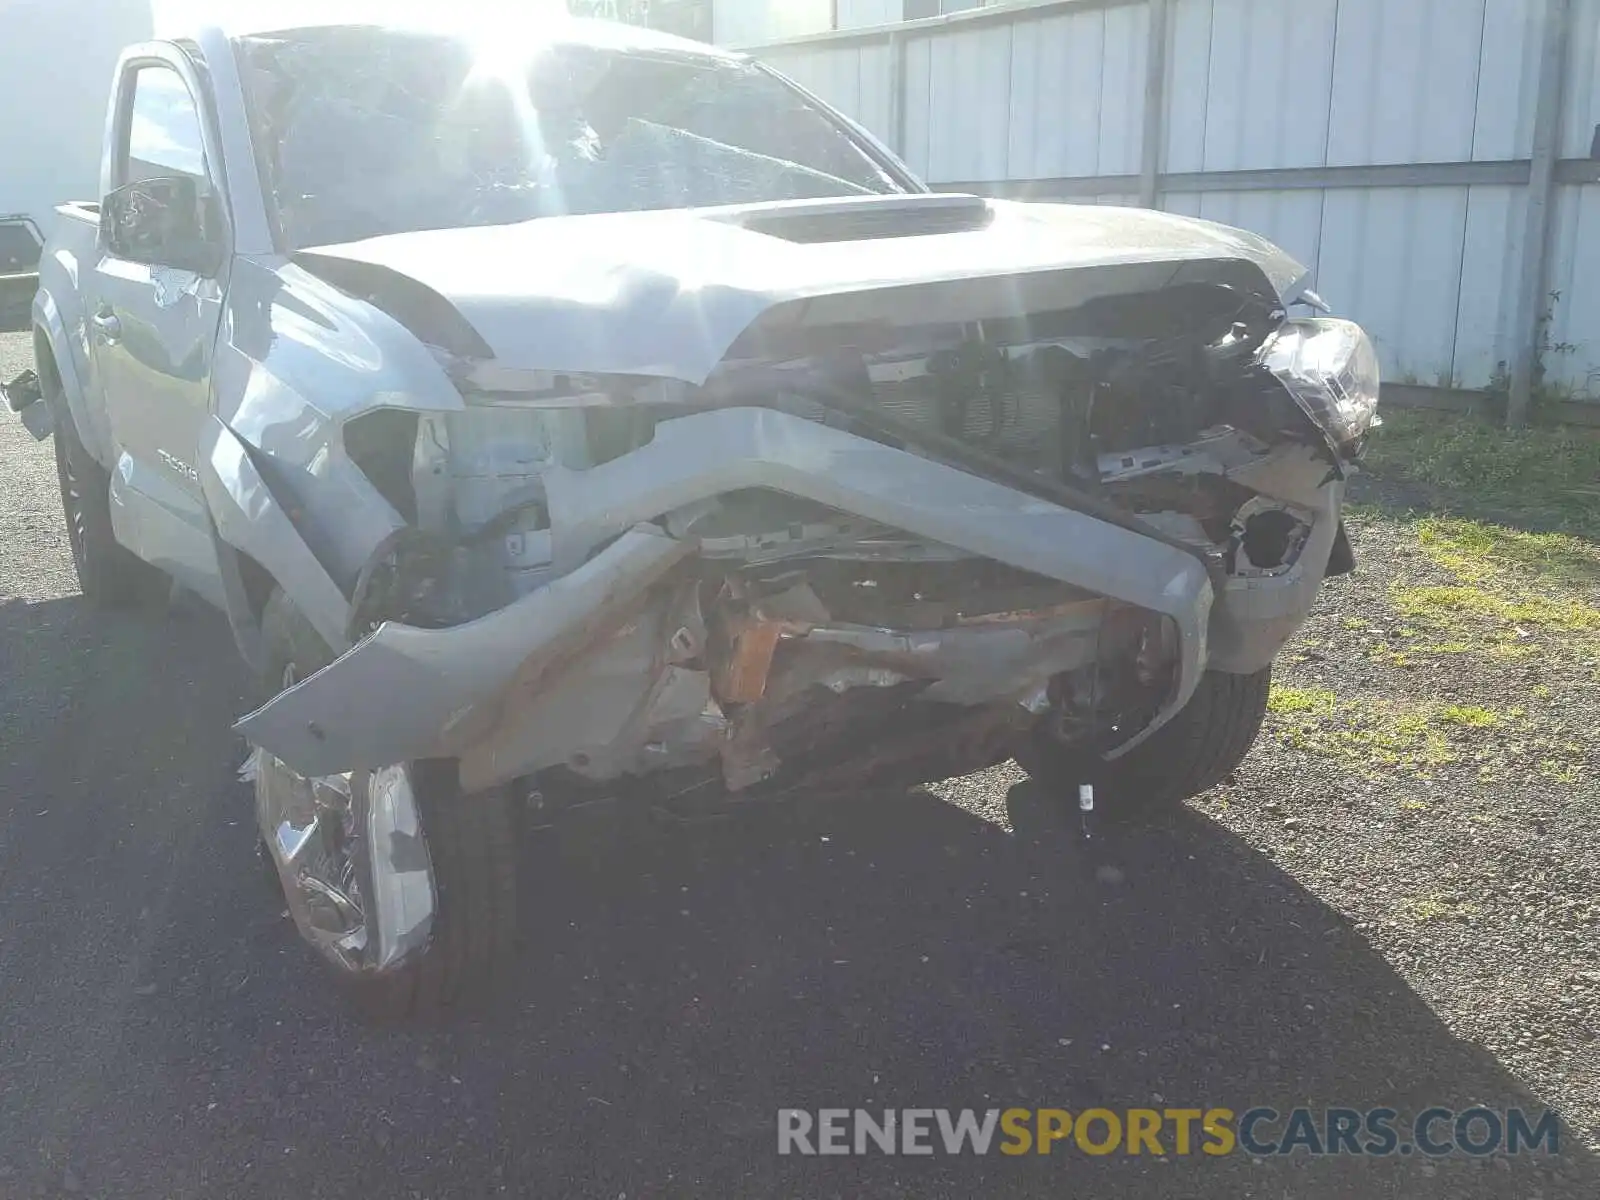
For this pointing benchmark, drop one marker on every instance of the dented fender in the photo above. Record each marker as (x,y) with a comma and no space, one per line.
(249,518)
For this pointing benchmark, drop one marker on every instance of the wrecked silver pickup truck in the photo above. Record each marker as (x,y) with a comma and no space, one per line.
(617,419)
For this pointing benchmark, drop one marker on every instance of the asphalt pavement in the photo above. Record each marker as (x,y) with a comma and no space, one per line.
(164,1034)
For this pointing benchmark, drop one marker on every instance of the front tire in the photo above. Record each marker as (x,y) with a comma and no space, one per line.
(1192,753)
(109,574)
(471,842)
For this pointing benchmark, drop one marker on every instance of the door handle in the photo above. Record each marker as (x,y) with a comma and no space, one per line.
(107,325)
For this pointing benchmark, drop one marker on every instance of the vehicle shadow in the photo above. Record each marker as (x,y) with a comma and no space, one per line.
(167,1035)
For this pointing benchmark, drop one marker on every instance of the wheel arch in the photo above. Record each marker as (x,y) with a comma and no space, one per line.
(258,546)
(52,351)
(247,584)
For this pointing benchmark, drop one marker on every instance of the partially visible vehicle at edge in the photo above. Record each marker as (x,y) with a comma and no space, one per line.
(612,417)
(20,247)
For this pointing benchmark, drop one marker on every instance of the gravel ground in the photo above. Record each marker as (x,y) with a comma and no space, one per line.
(1300,936)
(1434,776)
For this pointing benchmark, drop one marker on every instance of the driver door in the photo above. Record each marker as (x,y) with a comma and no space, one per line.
(152,328)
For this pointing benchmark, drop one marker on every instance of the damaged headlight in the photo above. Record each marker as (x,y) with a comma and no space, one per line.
(1331,369)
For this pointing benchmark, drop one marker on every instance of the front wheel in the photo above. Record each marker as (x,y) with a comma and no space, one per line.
(1190,754)
(405,884)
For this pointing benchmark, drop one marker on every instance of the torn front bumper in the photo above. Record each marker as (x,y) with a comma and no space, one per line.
(405,693)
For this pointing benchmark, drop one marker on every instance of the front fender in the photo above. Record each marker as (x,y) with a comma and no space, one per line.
(56,320)
(249,518)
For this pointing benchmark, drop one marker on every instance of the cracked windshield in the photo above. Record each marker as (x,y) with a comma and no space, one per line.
(368,132)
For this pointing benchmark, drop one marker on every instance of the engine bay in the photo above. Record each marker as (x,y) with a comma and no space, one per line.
(797,628)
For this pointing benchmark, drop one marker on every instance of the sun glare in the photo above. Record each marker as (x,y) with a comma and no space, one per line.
(181,16)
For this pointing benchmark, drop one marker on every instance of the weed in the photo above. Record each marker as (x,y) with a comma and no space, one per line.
(1298,700)
(1476,551)
(1418,738)
(1469,715)
(1444,605)
(1543,476)
(1439,907)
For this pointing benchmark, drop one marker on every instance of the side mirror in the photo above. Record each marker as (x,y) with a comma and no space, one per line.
(165,221)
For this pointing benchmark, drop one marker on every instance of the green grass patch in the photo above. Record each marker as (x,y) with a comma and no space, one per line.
(1284,700)
(1365,735)
(1470,715)
(1418,738)
(1548,476)
(1439,907)
(1443,605)
(1476,551)
(1511,594)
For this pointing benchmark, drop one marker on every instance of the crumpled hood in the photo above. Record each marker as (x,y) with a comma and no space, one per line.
(666,293)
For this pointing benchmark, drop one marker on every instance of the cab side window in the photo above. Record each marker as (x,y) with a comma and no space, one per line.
(163,130)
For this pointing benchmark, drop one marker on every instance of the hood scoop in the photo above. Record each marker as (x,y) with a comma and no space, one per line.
(863,219)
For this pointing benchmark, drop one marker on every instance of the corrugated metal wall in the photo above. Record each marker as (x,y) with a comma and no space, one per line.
(1576,258)
(743,21)
(1428,264)
(857,14)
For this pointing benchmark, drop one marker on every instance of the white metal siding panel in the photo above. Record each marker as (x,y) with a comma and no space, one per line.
(1575,319)
(738,23)
(969,104)
(1292,219)
(919,87)
(1507,92)
(1486,309)
(800,67)
(1267,96)
(1126,52)
(843,86)
(1030,110)
(873,84)
(857,14)
(1184,204)
(1583,79)
(852,78)
(947,116)
(751,22)
(1188,86)
(836,79)
(992,102)
(1055,109)
(1264,84)
(1391,259)
(1404,81)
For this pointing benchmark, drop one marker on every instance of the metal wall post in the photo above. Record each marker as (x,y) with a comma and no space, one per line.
(1155,105)
(1535,272)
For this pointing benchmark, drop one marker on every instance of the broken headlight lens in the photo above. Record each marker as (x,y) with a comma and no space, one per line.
(1331,369)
